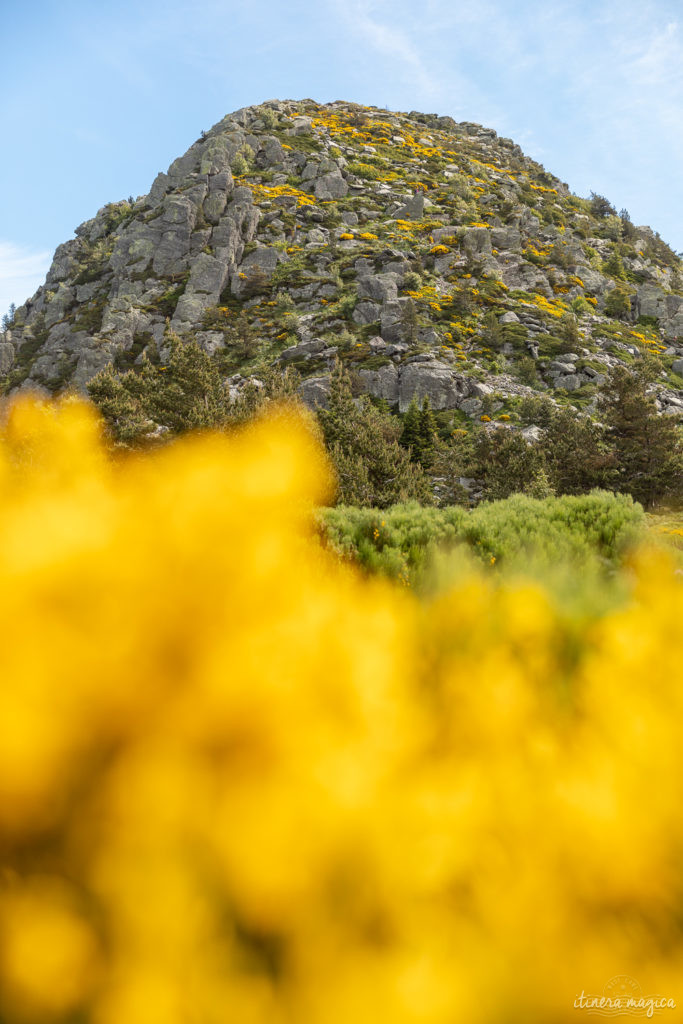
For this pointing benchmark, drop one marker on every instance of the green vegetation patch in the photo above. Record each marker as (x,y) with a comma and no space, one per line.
(402,542)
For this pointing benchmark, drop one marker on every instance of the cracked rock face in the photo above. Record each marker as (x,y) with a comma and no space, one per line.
(432,257)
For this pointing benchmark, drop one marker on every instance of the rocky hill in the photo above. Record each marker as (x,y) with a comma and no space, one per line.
(431,256)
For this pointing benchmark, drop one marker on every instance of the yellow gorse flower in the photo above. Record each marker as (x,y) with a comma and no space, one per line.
(239,782)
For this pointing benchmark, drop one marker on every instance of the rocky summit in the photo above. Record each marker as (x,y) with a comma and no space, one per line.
(432,257)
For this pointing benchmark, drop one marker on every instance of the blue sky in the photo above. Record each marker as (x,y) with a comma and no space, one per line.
(97,97)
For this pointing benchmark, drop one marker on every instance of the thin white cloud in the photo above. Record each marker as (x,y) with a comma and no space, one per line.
(395,44)
(22,271)
(660,65)
(635,93)
(390,41)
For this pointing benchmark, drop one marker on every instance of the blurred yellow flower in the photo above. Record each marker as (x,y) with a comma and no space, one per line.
(239,781)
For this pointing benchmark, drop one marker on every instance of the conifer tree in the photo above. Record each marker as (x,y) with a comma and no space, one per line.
(601,207)
(427,434)
(410,436)
(577,453)
(508,464)
(274,386)
(409,323)
(120,399)
(569,332)
(8,317)
(189,393)
(614,266)
(648,448)
(372,467)
(618,303)
(185,394)
(492,336)
(419,434)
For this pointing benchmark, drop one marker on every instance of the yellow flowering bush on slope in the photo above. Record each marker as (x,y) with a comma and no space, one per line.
(239,782)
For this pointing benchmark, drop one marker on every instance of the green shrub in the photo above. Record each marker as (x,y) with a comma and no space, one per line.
(243,160)
(269,117)
(167,302)
(411,281)
(614,266)
(524,369)
(93,261)
(369,172)
(404,541)
(536,410)
(618,303)
(116,214)
(580,306)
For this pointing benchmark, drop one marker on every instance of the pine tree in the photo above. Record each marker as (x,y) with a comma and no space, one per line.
(410,436)
(188,394)
(372,467)
(508,464)
(409,322)
(185,394)
(539,486)
(648,448)
(274,386)
(120,399)
(492,336)
(601,207)
(8,317)
(427,433)
(452,462)
(569,332)
(419,434)
(577,453)
(628,228)
(614,266)
(618,303)
(241,342)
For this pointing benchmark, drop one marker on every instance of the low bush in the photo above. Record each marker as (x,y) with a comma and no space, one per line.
(403,541)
